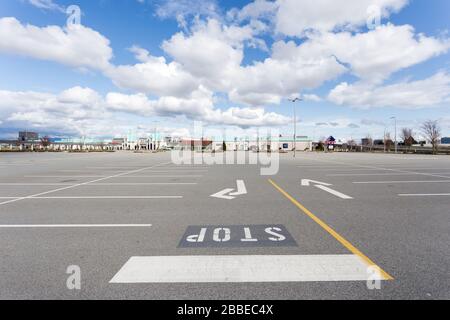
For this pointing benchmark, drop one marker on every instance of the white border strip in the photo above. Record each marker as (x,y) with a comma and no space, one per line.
(79,184)
(267,268)
(97,197)
(121,176)
(425,195)
(105,184)
(27,226)
(401,182)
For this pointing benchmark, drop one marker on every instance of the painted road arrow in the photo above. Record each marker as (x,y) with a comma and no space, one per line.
(228,194)
(307,183)
(324,186)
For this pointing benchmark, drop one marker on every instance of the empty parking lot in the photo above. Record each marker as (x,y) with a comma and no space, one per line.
(139,226)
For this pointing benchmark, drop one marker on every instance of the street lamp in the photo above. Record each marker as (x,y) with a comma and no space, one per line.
(295,123)
(155,122)
(395,122)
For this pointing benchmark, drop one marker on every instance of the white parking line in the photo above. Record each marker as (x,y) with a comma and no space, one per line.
(400,182)
(241,268)
(425,195)
(381,169)
(122,175)
(105,184)
(149,171)
(400,172)
(334,192)
(77,185)
(380,174)
(20,226)
(167,176)
(95,197)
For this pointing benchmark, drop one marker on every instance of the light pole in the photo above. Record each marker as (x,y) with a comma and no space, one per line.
(395,123)
(155,122)
(295,124)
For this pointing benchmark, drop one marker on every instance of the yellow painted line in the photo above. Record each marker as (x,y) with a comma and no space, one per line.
(327,228)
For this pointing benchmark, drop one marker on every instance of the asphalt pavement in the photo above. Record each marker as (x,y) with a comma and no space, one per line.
(139,226)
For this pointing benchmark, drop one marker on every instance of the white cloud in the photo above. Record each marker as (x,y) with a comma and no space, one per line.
(206,59)
(74,111)
(430,92)
(83,111)
(214,54)
(199,106)
(295,17)
(46,4)
(311,97)
(372,56)
(211,52)
(183,10)
(274,79)
(255,10)
(77,46)
(153,76)
(195,105)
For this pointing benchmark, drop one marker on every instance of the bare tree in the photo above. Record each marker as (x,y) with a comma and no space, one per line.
(408,137)
(388,142)
(432,132)
(45,142)
(351,144)
(368,142)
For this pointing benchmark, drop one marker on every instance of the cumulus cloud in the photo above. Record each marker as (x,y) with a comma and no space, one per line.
(295,17)
(77,46)
(74,111)
(430,92)
(46,4)
(372,56)
(311,97)
(258,9)
(206,59)
(183,10)
(80,110)
(199,106)
(153,75)
(270,81)
(212,52)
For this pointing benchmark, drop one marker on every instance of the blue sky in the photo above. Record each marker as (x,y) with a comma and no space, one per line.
(136,65)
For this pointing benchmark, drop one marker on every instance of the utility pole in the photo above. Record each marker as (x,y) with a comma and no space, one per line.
(295,124)
(155,122)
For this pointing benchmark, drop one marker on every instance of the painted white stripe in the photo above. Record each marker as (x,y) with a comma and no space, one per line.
(98,197)
(371,174)
(123,175)
(82,171)
(403,172)
(400,182)
(381,169)
(59,176)
(165,176)
(210,269)
(334,192)
(24,226)
(75,185)
(425,195)
(150,170)
(162,167)
(117,167)
(104,184)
